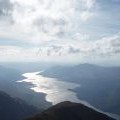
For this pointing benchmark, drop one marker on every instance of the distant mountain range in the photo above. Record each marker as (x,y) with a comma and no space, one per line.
(70,111)
(100,85)
(14,108)
(83,72)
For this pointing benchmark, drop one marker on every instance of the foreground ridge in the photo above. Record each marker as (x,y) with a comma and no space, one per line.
(70,111)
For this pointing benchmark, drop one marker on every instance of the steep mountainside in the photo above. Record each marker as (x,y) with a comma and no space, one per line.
(13,108)
(70,111)
(8,77)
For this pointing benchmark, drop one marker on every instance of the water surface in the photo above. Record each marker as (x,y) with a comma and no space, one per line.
(56,91)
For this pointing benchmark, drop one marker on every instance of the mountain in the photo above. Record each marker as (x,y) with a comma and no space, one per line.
(14,108)
(99,85)
(82,71)
(8,77)
(26,66)
(9,73)
(70,111)
(9,84)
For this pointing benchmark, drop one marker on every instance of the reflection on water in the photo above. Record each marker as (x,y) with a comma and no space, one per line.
(56,91)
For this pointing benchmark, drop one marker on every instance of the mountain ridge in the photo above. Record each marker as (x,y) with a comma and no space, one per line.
(14,108)
(70,111)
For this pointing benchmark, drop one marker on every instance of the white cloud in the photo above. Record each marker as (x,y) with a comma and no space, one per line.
(40,21)
(89,3)
(85,15)
(107,46)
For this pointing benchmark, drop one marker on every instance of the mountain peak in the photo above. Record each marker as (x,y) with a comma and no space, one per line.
(87,65)
(70,111)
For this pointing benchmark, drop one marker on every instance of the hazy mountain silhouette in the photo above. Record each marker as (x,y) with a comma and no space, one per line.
(8,77)
(83,71)
(70,111)
(14,108)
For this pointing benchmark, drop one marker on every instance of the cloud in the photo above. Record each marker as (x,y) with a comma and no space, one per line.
(106,47)
(12,53)
(73,50)
(89,3)
(58,28)
(41,21)
(86,15)
(5,7)
(53,28)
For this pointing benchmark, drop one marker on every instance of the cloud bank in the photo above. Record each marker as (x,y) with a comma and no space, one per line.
(65,29)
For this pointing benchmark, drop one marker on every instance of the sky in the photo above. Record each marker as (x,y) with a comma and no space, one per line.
(70,31)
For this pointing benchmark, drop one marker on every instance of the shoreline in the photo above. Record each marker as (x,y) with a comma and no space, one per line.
(45,89)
